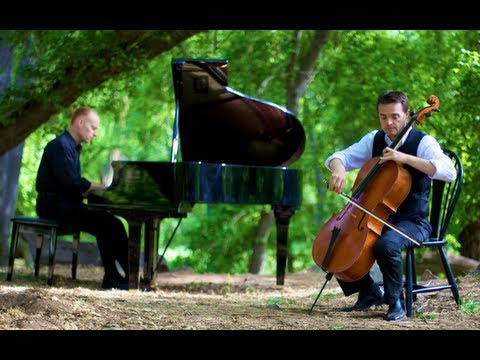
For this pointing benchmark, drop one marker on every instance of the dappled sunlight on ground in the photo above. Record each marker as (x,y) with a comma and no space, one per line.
(183,300)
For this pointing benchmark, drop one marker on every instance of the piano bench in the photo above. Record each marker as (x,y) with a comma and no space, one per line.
(42,227)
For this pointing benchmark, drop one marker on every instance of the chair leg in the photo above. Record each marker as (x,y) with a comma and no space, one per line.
(414,275)
(51,254)
(75,245)
(409,281)
(38,253)
(13,249)
(450,277)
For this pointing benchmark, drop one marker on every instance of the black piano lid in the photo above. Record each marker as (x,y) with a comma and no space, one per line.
(217,124)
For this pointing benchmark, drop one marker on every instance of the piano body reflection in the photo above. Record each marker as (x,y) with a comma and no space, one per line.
(234,149)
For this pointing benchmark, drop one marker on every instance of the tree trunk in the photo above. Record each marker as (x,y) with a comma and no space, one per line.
(460,265)
(10,164)
(300,79)
(470,240)
(257,261)
(299,75)
(11,161)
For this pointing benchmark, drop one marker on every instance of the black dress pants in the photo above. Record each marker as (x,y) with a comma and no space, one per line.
(112,239)
(388,253)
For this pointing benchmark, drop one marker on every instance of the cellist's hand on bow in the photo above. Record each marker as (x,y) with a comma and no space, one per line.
(391,154)
(337,180)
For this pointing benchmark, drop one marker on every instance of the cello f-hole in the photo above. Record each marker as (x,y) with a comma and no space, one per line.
(360,227)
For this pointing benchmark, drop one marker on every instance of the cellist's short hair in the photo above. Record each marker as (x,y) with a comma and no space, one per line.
(81,111)
(392,96)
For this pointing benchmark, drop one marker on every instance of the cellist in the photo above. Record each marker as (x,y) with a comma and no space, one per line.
(423,158)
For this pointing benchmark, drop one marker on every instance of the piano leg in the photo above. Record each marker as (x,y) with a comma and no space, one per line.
(282,218)
(152,228)
(134,232)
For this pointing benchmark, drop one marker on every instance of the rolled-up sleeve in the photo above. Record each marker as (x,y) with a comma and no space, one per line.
(430,150)
(356,155)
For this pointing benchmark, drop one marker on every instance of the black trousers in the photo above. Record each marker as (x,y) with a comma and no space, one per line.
(112,239)
(388,253)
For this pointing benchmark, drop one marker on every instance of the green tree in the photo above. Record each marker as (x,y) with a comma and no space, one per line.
(338,107)
(63,65)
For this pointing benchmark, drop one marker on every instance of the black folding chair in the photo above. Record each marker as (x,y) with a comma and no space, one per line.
(444,197)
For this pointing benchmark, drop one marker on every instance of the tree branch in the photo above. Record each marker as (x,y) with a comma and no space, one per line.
(134,44)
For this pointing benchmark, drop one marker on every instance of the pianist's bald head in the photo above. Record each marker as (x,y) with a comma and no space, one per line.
(84,124)
(81,112)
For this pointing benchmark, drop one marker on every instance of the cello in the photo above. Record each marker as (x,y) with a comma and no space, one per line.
(344,245)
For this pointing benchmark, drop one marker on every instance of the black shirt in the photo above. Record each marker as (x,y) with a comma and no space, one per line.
(59,171)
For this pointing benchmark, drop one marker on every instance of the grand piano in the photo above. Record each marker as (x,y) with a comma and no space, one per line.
(234,149)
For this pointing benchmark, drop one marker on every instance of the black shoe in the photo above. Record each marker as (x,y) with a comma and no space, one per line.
(367,299)
(396,311)
(114,282)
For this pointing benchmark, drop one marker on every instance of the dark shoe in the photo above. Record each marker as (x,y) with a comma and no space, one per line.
(396,311)
(114,282)
(366,299)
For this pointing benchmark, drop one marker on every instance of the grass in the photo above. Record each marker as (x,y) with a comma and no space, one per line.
(471,307)
(426,316)
(328,296)
(337,326)
(323,296)
(277,300)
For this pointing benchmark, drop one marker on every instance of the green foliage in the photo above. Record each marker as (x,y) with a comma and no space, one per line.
(220,242)
(471,307)
(357,66)
(277,301)
(137,112)
(328,296)
(426,316)
(337,326)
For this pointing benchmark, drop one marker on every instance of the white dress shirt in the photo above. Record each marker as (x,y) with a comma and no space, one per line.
(356,155)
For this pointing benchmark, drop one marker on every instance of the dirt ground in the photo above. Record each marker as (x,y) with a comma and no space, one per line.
(184,300)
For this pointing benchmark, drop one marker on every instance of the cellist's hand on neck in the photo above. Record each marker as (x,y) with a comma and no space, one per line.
(337,180)
(391,154)
(420,164)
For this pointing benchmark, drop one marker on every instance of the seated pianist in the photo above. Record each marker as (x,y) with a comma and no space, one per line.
(61,189)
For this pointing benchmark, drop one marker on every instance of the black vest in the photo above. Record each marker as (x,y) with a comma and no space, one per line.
(415,204)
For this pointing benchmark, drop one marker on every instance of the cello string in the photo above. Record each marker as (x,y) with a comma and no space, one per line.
(352,201)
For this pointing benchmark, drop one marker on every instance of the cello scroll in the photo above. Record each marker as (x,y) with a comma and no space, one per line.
(427,111)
